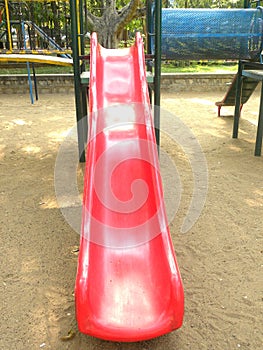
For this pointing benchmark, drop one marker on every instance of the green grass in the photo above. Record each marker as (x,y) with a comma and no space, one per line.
(39,70)
(167,67)
(199,67)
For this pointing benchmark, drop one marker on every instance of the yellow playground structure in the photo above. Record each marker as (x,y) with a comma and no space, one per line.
(35,27)
(37,32)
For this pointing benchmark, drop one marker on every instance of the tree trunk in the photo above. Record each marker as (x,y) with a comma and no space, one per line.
(111,23)
(106,27)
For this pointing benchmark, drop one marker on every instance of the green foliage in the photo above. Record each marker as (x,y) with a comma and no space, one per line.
(98,6)
(44,12)
(52,16)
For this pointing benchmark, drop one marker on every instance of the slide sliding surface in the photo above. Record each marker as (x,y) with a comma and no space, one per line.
(128,285)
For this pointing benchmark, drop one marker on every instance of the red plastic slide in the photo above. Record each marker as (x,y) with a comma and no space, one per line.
(128,285)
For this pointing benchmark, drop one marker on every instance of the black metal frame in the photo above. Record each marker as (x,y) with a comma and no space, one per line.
(78,53)
(246,65)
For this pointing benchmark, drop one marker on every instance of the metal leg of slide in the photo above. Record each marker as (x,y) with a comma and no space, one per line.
(260,126)
(238,101)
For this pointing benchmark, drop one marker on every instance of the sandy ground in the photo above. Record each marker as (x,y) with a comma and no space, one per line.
(220,257)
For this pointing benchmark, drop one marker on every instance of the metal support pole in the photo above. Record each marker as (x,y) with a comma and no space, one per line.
(33,65)
(83,88)
(246,3)
(27,64)
(238,100)
(149,24)
(260,126)
(9,35)
(157,69)
(77,82)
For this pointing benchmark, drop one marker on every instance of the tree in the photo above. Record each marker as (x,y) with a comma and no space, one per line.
(109,17)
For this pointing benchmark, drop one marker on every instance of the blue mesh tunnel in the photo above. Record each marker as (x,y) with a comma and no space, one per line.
(211,33)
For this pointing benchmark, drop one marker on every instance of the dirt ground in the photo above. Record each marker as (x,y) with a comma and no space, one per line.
(220,257)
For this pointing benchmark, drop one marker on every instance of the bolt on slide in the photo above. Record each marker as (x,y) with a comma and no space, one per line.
(128,285)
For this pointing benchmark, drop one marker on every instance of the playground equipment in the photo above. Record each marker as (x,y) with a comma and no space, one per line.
(201,34)
(249,86)
(254,72)
(211,34)
(128,286)
(32,30)
(46,22)
(186,33)
(53,60)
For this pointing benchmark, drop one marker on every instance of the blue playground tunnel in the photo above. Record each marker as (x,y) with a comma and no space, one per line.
(211,34)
